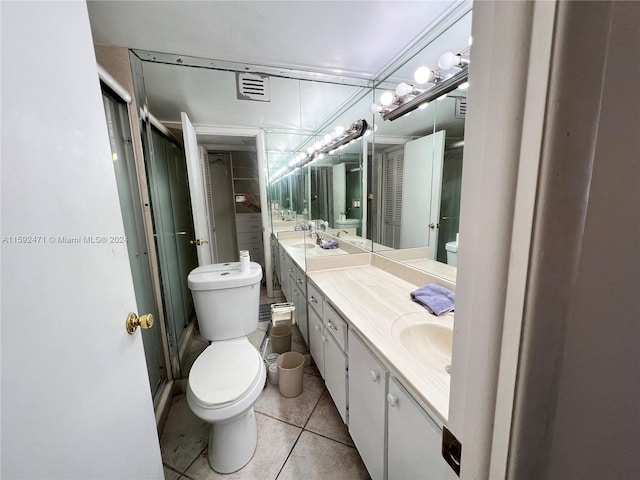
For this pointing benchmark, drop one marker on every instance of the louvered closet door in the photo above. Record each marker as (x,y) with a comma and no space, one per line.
(393,167)
(204,164)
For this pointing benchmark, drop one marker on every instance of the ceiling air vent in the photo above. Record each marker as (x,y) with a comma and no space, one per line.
(461,108)
(253,86)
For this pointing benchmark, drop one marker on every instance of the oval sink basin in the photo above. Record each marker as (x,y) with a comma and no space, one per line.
(426,340)
(303,245)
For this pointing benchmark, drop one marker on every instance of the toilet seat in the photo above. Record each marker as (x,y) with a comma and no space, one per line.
(225,372)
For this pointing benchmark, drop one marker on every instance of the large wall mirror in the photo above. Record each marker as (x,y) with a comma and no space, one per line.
(327,192)
(395,191)
(416,168)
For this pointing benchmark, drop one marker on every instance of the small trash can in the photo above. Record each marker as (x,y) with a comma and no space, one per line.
(272,368)
(280,339)
(290,373)
(273,374)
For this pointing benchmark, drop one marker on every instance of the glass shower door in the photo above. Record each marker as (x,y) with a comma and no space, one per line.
(132,216)
(173,230)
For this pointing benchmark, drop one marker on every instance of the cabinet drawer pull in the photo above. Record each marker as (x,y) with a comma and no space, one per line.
(313,299)
(374,376)
(392,399)
(332,326)
(299,281)
(317,328)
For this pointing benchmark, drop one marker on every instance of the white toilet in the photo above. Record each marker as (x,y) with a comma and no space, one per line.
(227,378)
(452,252)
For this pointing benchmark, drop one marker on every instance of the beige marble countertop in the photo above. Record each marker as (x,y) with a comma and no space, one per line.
(371,299)
(299,245)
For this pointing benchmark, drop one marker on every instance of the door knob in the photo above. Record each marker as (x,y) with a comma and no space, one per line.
(199,241)
(133,322)
(434,225)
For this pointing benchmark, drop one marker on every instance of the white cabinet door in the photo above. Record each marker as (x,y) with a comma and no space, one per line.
(316,342)
(367,389)
(414,441)
(284,277)
(300,302)
(335,374)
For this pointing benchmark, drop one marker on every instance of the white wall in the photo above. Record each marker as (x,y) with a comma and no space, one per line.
(76,401)
(577,410)
(548,274)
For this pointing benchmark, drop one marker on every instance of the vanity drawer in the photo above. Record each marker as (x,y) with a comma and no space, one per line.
(315,299)
(336,325)
(300,280)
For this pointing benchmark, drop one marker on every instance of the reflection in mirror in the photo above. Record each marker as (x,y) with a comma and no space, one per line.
(416,169)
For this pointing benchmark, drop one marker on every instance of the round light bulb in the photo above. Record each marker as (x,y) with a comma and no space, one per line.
(317,146)
(448,60)
(423,75)
(375,108)
(423,106)
(327,138)
(463,86)
(310,150)
(387,98)
(367,132)
(339,130)
(404,89)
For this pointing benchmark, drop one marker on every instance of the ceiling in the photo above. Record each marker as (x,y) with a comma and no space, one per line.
(325,51)
(354,38)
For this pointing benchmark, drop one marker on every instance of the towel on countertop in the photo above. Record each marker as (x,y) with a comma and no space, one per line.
(329,244)
(435,298)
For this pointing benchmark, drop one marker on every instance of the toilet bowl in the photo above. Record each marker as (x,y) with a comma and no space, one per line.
(229,375)
(452,252)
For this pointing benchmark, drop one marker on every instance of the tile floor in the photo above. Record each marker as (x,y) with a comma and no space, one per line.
(298,438)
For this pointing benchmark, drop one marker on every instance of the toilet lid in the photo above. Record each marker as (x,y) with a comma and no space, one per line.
(224,372)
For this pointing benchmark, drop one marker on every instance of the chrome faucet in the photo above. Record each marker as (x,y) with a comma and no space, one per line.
(342,231)
(318,239)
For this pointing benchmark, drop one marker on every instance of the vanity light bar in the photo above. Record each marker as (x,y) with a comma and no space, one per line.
(356,130)
(439,89)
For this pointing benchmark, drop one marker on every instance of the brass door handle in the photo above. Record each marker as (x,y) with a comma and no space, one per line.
(199,241)
(143,321)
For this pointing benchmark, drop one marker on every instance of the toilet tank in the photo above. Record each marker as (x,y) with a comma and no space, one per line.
(226,300)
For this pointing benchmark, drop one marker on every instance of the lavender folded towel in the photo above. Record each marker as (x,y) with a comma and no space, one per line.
(435,298)
(329,244)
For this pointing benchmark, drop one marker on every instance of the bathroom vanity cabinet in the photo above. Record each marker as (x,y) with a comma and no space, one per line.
(335,359)
(316,340)
(299,300)
(327,343)
(316,327)
(394,430)
(284,273)
(414,439)
(367,405)
(395,434)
